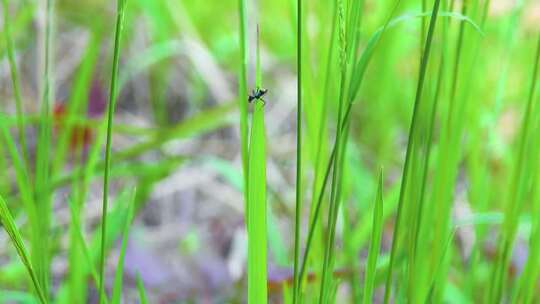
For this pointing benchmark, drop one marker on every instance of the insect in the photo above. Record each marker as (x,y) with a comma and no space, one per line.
(257,94)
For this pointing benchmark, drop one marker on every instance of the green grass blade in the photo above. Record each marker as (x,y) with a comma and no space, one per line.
(142,291)
(119,274)
(298,205)
(16,238)
(257,289)
(243,97)
(110,114)
(375,243)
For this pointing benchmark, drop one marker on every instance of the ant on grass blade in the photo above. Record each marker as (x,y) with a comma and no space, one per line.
(257,94)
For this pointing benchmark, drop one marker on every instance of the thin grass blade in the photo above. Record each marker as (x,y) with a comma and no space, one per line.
(142,291)
(110,114)
(375,243)
(119,274)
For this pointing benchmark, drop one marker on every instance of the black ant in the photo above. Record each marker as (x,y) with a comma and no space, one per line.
(257,94)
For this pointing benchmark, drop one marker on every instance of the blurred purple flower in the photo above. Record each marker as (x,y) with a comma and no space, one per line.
(96,100)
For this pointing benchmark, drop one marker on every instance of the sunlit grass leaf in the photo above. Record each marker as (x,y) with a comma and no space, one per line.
(257,279)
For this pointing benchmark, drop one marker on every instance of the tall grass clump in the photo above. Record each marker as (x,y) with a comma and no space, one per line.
(348,63)
(411,147)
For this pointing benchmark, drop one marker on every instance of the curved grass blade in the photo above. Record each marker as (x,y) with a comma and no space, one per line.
(142,291)
(363,62)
